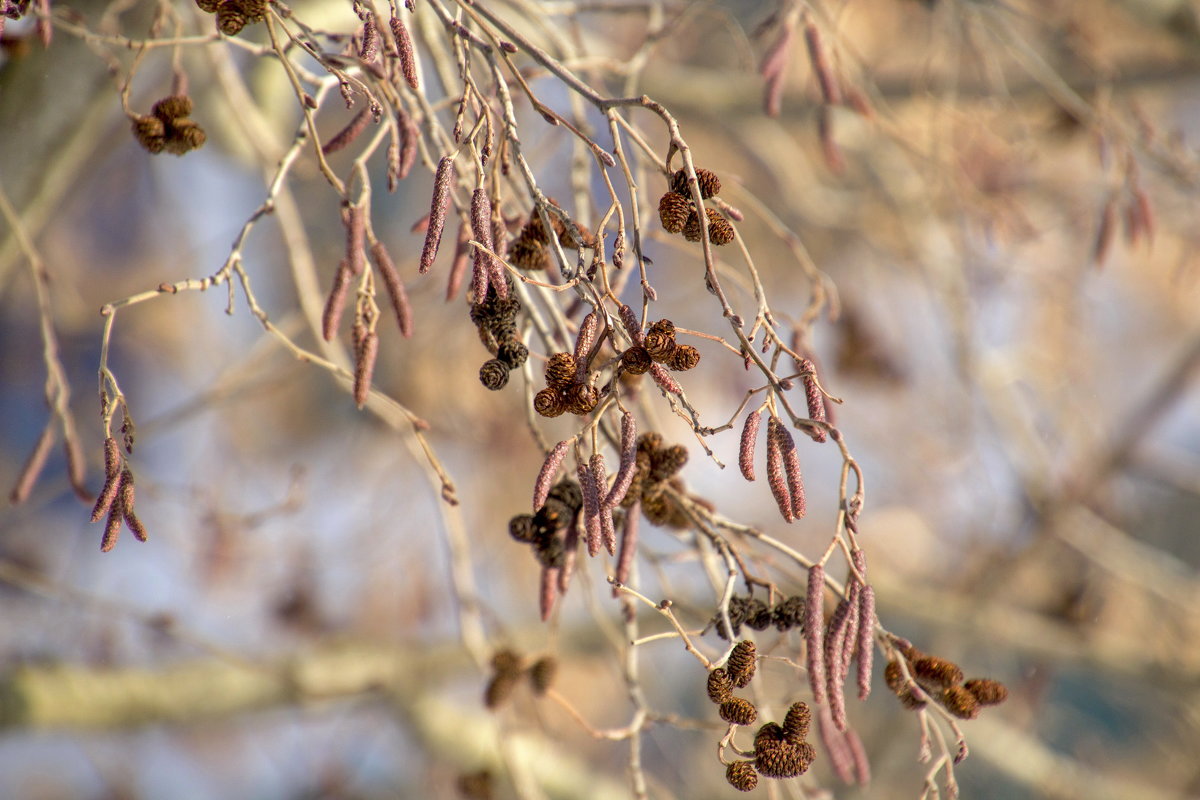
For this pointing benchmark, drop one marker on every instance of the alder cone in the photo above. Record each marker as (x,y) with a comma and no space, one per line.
(683,358)
(720,231)
(173,107)
(659,345)
(231,18)
(150,133)
(549,402)
(710,184)
(738,711)
(691,227)
(582,398)
(673,210)
(569,493)
(960,702)
(512,352)
(742,663)
(720,687)
(520,528)
(987,691)
(636,360)
(529,255)
(560,370)
(742,776)
(493,374)
(541,674)
(208,6)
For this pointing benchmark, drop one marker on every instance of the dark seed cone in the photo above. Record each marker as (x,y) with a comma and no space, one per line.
(534,231)
(673,210)
(960,702)
(710,184)
(541,674)
(183,136)
(665,463)
(208,6)
(546,521)
(893,676)
(742,776)
(720,687)
(500,688)
(720,231)
(758,616)
(586,237)
(493,374)
(936,671)
(150,133)
(549,551)
(738,711)
(795,724)
(582,398)
(527,254)
(512,353)
(231,18)
(987,691)
(683,358)
(549,402)
(790,613)
(649,442)
(742,663)
(663,326)
(255,10)
(560,370)
(568,493)
(636,360)
(520,527)
(176,106)
(768,735)
(783,760)
(691,228)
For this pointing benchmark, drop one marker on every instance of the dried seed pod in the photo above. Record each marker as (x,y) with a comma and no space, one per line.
(176,106)
(582,398)
(663,326)
(560,370)
(541,674)
(683,358)
(439,205)
(789,614)
(636,360)
(781,760)
(738,711)
(529,255)
(720,231)
(208,6)
(936,671)
(520,528)
(659,345)
(673,210)
(150,133)
(230,17)
(710,184)
(987,691)
(795,724)
(513,353)
(255,10)
(720,687)
(742,776)
(691,227)
(769,735)
(667,461)
(549,402)
(500,688)
(183,136)
(960,702)
(742,663)
(758,616)
(494,374)
(568,493)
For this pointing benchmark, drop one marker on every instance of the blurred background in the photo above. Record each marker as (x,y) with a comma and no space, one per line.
(1003,214)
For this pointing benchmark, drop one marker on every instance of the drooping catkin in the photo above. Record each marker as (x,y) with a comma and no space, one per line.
(549,591)
(33,467)
(831,91)
(813,397)
(112,528)
(776,472)
(439,205)
(591,516)
(112,479)
(840,757)
(749,439)
(608,534)
(409,134)
(364,367)
(356,232)
(584,342)
(664,379)
(408,58)
(346,136)
(458,267)
(866,640)
(630,322)
(334,303)
(791,467)
(481,230)
(628,463)
(814,631)
(395,288)
(541,488)
(629,539)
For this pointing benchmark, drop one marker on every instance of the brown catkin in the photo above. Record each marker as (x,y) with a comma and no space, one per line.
(591,508)
(585,341)
(742,663)
(346,136)
(608,533)
(814,630)
(438,207)
(813,397)
(112,479)
(541,488)
(408,58)
(481,230)
(370,40)
(742,776)
(719,686)
(135,525)
(112,528)
(630,322)
(395,288)
(334,303)
(749,439)
(664,379)
(629,537)
(960,702)
(364,367)
(936,671)
(409,135)
(738,711)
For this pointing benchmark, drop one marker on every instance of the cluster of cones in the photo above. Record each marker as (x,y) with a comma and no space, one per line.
(678,213)
(508,668)
(566,388)
(659,346)
(655,474)
(541,530)
(233,15)
(168,128)
(942,680)
(530,250)
(780,751)
(785,615)
(495,318)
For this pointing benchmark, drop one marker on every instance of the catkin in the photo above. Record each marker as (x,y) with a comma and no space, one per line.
(866,640)
(346,136)
(438,207)
(746,450)
(814,630)
(408,58)
(333,304)
(395,288)
(776,477)
(628,465)
(541,488)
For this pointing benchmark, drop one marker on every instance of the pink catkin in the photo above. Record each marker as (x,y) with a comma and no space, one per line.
(629,537)
(858,755)
(346,136)
(776,474)
(571,555)
(629,320)
(841,760)
(364,367)
(591,510)
(458,268)
(608,534)
(814,398)
(333,305)
(438,207)
(749,439)
(1104,234)
(628,466)
(408,144)
(112,479)
(76,468)
(866,640)
(395,288)
(34,465)
(831,91)
(549,591)
(664,379)
(835,642)
(408,58)
(370,40)
(545,478)
(356,232)
(791,466)
(485,271)
(585,341)
(814,632)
